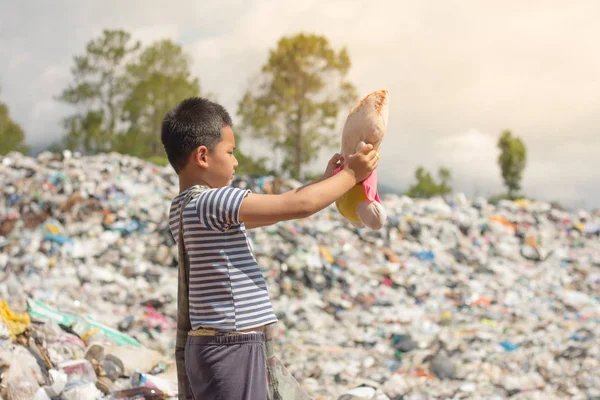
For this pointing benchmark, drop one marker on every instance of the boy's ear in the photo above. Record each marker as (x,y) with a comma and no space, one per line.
(201,156)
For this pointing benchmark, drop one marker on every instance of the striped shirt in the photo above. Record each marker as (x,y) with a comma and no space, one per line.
(227,291)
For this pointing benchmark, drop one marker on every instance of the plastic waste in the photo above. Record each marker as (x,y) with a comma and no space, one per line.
(454,297)
(508,345)
(364,393)
(15,323)
(78,372)
(24,375)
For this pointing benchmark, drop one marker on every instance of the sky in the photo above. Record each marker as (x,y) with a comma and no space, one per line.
(458,73)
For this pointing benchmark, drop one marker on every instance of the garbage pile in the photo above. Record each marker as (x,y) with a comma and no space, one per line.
(452,298)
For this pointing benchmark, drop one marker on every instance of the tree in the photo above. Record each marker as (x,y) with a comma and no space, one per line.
(427,187)
(445,176)
(12,137)
(248,165)
(296,102)
(97,91)
(512,161)
(158,80)
(122,92)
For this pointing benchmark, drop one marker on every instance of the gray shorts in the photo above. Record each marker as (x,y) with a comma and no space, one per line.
(239,366)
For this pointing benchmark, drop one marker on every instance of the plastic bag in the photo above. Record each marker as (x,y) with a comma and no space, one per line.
(24,376)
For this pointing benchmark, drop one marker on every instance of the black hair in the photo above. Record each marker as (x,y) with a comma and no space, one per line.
(192,123)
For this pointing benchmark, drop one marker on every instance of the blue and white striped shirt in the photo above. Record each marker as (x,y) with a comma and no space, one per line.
(227,289)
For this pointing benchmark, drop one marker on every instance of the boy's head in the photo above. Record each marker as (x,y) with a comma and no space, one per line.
(199,142)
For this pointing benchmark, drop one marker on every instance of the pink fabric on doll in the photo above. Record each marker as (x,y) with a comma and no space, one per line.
(369,184)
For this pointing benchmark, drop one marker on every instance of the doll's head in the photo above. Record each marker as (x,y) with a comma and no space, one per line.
(366,122)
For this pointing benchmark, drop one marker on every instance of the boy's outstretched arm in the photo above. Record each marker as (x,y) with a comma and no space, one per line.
(331,166)
(257,225)
(263,209)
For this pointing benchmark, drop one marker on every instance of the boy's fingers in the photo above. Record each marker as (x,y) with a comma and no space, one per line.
(366,148)
(372,155)
(375,159)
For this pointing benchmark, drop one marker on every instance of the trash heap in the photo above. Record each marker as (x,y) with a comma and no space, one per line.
(452,298)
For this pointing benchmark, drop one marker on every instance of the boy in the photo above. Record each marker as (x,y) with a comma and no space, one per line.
(225,318)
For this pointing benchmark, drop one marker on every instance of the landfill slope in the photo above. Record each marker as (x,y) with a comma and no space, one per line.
(452,298)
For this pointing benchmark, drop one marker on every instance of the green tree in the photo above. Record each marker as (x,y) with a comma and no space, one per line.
(445,176)
(296,102)
(247,165)
(427,187)
(512,161)
(122,92)
(158,80)
(86,132)
(12,137)
(98,91)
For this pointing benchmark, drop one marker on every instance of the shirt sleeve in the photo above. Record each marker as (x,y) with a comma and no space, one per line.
(219,209)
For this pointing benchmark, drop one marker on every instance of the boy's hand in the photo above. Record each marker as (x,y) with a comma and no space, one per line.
(362,163)
(332,165)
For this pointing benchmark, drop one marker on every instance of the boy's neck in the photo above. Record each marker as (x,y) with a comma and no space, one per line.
(186,183)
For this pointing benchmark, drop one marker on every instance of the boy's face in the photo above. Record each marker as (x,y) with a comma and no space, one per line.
(221,162)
